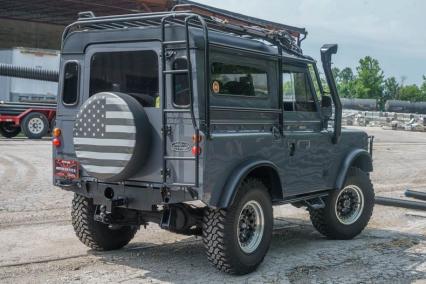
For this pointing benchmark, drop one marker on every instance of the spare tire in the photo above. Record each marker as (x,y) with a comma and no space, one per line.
(112,136)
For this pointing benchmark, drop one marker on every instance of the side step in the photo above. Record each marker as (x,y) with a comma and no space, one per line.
(315,203)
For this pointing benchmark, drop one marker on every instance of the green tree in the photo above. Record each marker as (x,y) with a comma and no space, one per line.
(369,81)
(391,89)
(423,88)
(336,74)
(410,93)
(346,84)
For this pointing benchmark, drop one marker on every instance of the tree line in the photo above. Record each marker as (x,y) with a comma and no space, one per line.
(369,82)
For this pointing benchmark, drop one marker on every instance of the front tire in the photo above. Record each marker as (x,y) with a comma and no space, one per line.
(347,211)
(236,239)
(97,235)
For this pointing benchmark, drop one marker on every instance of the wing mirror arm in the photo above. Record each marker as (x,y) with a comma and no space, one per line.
(327,51)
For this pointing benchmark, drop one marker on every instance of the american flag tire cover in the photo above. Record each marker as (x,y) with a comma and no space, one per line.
(106,132)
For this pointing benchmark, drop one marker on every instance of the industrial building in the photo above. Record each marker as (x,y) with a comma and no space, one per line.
(30,36)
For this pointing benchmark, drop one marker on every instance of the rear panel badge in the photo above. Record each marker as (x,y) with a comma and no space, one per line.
(180,146)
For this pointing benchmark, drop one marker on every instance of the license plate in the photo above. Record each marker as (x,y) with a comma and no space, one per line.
(68,169)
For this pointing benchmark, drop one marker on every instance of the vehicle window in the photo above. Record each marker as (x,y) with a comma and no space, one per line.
(180,84)
(315,81)
(70,87)
(239,80)
(297,94)
(131,72)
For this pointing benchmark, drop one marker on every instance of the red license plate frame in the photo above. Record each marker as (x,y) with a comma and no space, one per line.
(67,169)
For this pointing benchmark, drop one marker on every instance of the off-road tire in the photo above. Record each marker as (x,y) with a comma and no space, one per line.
(94,234)
(220,231)
(7,131)
(327,223)
(25,125)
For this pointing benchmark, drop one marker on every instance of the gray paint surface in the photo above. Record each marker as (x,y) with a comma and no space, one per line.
(241,129)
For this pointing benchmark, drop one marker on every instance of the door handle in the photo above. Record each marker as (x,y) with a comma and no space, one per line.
(291,148)
(276,133)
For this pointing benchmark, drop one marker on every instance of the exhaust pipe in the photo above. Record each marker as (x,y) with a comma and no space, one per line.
(327,50)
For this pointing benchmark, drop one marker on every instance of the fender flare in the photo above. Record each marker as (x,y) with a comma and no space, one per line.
(227,195)
(359,158)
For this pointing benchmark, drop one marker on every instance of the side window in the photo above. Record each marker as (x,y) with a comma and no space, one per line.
(297,95)
(70,87)
(180,84)
(239,80)
(316,81)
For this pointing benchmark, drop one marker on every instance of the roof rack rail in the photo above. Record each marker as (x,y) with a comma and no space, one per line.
(286,37)
(236,17)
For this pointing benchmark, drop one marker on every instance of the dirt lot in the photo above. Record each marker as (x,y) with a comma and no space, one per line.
(38,243)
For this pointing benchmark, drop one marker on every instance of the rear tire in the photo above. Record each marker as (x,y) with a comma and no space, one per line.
(236,239)
(96,235)
(8,130)
(347,211)
(35,125)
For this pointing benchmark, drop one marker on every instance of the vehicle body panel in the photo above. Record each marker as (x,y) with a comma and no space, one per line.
(245,132)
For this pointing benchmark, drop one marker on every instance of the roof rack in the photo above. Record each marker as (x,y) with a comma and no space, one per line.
(289,37)
(286,37)
(237,18)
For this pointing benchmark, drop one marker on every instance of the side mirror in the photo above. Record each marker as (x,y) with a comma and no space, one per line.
(326,107)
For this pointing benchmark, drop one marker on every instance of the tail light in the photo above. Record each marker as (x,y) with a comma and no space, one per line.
(196,150)
(56,132)
(56,140)
(196,138)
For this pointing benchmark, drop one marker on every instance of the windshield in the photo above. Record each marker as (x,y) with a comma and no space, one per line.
(316,80)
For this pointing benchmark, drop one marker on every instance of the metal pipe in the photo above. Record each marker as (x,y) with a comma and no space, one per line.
(416,194)
(395,202)
(327,51)
(28,73)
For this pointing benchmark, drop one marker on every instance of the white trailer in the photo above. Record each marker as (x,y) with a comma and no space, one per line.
(17,89)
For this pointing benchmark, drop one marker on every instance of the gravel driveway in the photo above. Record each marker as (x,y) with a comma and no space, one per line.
(38,244)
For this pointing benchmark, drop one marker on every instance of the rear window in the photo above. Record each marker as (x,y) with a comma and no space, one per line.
(180,84)
(131,72)
(239,80)
(70,87)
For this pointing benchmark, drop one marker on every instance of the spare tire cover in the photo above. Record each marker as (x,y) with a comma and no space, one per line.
(111,136)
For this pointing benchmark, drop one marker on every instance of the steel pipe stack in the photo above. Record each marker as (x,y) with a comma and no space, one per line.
(28,73)
(403,203)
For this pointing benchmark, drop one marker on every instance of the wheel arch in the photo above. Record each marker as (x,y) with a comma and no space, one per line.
(264,170)
(358,158)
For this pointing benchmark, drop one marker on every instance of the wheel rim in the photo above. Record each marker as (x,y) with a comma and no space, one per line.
(35,125)
(349,204)
(251,224)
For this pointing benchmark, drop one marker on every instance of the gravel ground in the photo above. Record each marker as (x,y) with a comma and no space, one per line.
(38,244)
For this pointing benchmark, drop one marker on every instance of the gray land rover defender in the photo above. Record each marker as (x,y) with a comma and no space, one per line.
(201,120)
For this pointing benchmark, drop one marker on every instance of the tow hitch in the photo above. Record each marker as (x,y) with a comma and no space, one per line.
(110,214)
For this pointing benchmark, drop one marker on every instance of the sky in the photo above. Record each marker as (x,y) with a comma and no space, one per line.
(393,32)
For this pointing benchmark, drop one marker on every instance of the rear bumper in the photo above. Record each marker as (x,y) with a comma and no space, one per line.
(138,197)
